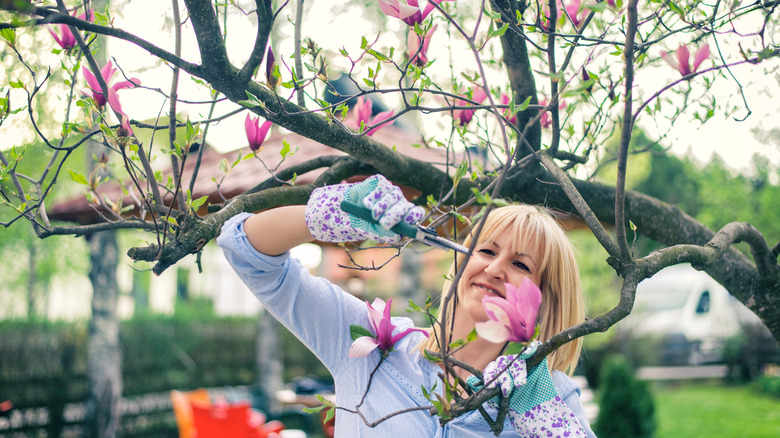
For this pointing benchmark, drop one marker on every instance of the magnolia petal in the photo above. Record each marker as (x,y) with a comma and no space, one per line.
(683,55)
(701,54)
(380,122)
(670,60)
(492,331)
(264,128)
(397,337)
(389,7)
(479,95)
(362,346)
(250,126)
(108,71)
(526,297)
(406,11)
(113,100)
(90,78)
(133,82)
(126,125)
(375,311)
(384,334)
(499,309)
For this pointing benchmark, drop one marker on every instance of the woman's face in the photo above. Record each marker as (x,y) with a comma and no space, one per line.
(492,264)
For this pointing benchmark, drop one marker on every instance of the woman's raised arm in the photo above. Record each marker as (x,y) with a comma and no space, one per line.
(273,232)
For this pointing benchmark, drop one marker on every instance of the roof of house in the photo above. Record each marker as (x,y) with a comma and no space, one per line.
(212,181)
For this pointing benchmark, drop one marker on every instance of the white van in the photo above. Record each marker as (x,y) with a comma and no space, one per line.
(688,313)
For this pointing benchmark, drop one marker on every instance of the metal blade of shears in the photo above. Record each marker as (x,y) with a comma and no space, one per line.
(419,232)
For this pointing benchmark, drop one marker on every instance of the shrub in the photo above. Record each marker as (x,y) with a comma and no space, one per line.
(768,385)
(626,407)
(749,353)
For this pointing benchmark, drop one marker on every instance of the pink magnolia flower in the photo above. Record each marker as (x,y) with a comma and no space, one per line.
(417,55)
(511,117)
(407,11)
(379,316)
(270,62)
(362,111)
(514,318)
(65,38)
(575,12)
(96,92)
(546,119)
(255,132)
(573,9)
(681,60)
(463,116)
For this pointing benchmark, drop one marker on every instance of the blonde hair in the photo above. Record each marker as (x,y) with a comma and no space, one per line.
(562,301)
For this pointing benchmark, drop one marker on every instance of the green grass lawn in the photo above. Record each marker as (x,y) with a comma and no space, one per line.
(711,410)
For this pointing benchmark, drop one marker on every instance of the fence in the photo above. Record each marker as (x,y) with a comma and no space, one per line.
(43,371)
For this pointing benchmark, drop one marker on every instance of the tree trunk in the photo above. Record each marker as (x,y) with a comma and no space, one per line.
(104,361)
(269,359)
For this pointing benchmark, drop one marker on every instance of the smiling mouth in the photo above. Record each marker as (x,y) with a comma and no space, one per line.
(489,289)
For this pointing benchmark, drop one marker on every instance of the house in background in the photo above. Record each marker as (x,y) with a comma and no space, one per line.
(70,298)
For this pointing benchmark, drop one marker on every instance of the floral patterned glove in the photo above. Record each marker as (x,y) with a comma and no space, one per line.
(328,223)
(535,409)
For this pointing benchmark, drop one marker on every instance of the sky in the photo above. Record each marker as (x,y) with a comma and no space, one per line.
(732,140)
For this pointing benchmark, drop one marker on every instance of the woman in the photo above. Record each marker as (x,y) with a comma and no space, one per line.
(372,390)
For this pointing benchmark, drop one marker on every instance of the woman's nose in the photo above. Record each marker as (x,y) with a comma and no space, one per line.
(495,269)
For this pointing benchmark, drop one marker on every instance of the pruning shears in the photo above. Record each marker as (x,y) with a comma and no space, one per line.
(419,232)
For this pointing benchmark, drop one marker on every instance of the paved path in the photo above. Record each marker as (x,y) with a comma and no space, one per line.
(682,373)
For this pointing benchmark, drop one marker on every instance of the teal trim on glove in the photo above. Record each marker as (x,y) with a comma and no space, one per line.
(328,223)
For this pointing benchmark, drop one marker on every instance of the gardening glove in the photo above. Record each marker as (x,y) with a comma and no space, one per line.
(535,409)
(328,223)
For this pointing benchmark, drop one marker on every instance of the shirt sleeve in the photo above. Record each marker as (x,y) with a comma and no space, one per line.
(570,394)
(316,311)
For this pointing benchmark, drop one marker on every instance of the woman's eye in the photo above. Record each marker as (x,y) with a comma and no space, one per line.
(486,251)
(522,266)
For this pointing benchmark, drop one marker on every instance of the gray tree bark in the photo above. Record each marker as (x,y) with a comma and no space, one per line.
(104,361)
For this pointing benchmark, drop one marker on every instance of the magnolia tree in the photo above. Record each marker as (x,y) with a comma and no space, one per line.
(534,89)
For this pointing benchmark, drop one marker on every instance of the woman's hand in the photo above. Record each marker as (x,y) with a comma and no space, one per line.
(328,223)
(534,405)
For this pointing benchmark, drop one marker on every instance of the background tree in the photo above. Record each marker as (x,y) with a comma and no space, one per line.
(544,86)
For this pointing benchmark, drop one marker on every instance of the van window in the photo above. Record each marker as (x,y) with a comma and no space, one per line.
(704,303)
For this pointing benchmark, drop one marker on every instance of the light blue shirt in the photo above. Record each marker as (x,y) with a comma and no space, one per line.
(320,313)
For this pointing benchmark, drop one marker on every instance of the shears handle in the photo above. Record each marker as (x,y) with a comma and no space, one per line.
(364,213)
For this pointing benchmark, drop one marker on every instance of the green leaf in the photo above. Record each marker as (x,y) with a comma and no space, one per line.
(251,101)
(285,148)
(357,331)
(498,32)
(524,106)
(9,35)
(460,173)
(482,198)
(673,6)
(79,178)
(414,307)
(598,7)
(316,410)
(101,18)
(431,357)
(457,343)
(198,202)
(514,348)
